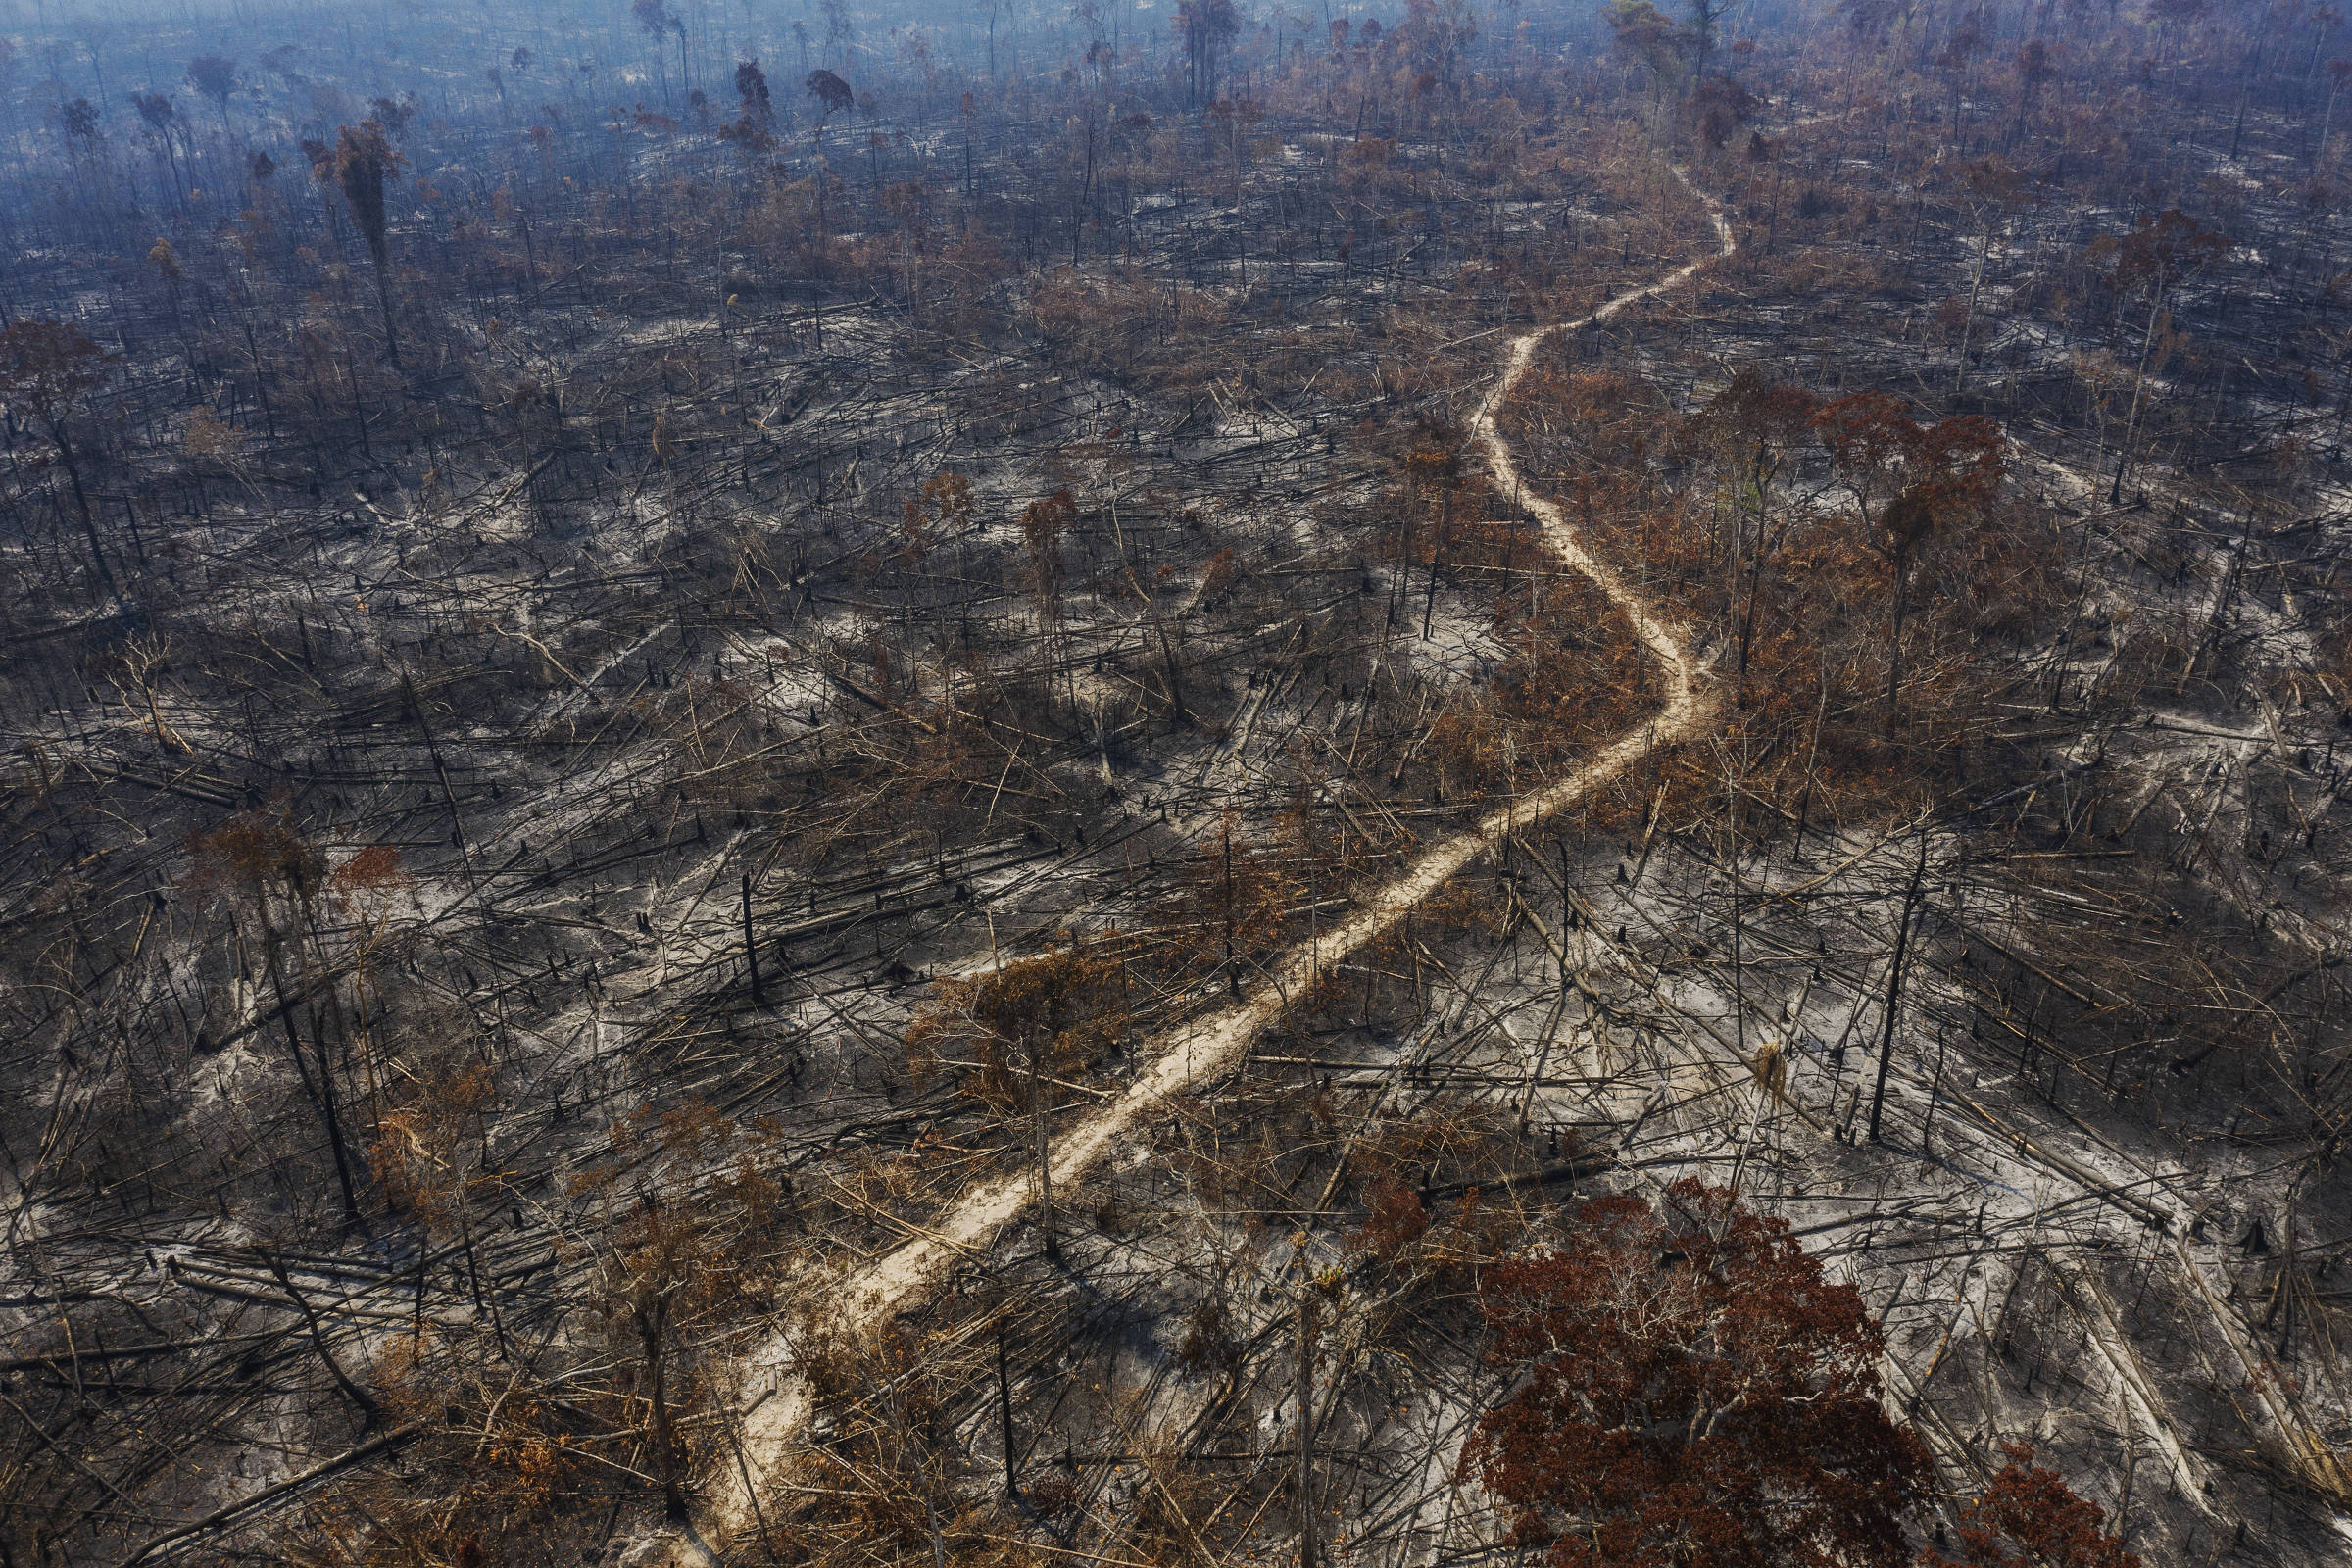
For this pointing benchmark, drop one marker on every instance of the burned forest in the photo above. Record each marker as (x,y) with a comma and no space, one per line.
(1167,783)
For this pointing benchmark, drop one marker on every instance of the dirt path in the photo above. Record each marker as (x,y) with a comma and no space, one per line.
(1210,1047)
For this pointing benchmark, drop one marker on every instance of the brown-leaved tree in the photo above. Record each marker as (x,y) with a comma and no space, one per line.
(2030,1518)
(1691,1392)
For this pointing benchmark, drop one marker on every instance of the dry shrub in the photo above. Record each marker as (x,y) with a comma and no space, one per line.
(501,1472)
(253,852)
(889,1477)
(1211,1342)
(1672,503)
(1125,325)
(1238,886)
(1820,273)
(1072,1002)
(1398,1219)
(1428,1193)
(1176,1499)
(532,1425)
(1446,1138)
(1576,677)
(1436,1244)
(426,1153)
(1583,422)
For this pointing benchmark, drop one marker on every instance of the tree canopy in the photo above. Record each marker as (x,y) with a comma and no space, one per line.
(1691,1392)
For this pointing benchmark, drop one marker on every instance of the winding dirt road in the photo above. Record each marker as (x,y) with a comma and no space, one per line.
(1211,1047)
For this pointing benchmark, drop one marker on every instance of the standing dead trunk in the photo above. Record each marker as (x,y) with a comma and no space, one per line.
(1012,1463)
(1895,984)
(652,1313)
(1233,973)
(1045,1150)
(363,160)
(1895,642)
(82,504)
(379,253)
(1968,322)
(323,1092)
(751,945)
(2139,383)
(1305,1498)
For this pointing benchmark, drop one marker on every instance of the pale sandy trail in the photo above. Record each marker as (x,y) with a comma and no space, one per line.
(1208,1048)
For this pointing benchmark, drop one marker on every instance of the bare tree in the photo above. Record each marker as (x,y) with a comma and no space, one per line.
(365,160)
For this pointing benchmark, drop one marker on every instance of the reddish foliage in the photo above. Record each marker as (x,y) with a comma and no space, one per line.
(1904,473)
(1396,1221)
(365,160)
(1755,413)
(1694,1393)
(374,870)
(832,94)
(1068,1005)
(2029,1518)
(1224,570)
(44,366)
(1960,462)
(1872,439)
(2159,253)
(252,852)
(1043,524)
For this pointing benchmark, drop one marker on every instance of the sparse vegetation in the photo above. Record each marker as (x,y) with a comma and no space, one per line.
(1174,785)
